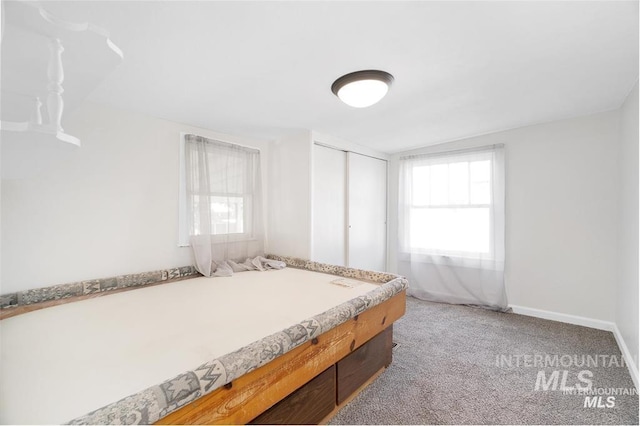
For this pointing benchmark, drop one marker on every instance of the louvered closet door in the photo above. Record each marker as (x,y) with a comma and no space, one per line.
(329,205)
(367,211)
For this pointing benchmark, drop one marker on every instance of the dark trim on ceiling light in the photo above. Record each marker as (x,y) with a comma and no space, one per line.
(383,76)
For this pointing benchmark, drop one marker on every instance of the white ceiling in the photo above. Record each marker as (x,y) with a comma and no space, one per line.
(461,68)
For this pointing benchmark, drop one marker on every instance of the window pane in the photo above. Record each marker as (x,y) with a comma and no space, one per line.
(480,193)
(439,185)
(227,215)
(420,186)
(480,174)
(195,211)
(480,171)
(450,229)
(227,173)
(459,183)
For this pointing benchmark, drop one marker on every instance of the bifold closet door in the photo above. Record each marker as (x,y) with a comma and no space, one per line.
(367,195)
(329,205)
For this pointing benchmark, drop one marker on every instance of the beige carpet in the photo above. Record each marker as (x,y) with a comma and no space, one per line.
(452,367)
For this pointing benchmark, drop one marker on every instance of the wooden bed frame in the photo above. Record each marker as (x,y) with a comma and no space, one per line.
(309,383)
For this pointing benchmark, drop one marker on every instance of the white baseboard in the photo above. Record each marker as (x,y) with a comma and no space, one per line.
(566,318)
(631,364)
(585,322)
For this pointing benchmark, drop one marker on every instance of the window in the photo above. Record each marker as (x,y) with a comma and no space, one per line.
(451,226)
(218,186)
(448,204)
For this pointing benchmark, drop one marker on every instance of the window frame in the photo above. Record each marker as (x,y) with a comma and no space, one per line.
(183,194)
(442,254)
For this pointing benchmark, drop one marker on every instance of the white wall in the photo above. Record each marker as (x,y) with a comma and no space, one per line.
(561,212)
(289,226)
(108,208)
(627,293)
(329,206)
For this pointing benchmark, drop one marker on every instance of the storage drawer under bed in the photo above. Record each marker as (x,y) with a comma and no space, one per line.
(315,401)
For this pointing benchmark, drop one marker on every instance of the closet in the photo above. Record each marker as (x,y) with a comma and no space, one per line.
(327,200)
(349,208)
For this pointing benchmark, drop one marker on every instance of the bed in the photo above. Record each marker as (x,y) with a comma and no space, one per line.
(203,350)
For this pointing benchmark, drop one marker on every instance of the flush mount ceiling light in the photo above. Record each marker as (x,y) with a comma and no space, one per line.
(361,89)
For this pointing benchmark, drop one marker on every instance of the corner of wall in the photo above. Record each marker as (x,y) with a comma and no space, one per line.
(632,362)
(289,207)
(626,317)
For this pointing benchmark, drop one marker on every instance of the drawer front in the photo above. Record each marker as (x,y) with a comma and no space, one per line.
(308,405)
(357,367)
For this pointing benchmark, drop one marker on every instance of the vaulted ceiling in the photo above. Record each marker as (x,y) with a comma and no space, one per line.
(461,68)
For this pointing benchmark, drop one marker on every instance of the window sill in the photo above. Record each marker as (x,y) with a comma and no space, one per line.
(452,261)
(223,241)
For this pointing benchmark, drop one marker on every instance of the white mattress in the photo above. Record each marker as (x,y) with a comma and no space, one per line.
(63,362)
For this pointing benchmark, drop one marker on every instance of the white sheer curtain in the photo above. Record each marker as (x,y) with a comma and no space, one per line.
(224,206)
(451,226)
